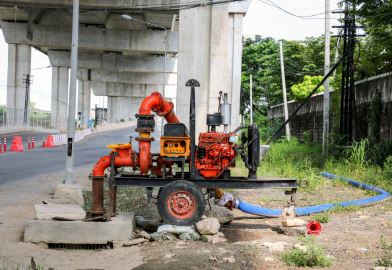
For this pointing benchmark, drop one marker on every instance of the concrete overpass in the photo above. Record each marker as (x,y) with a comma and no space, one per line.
(125,59)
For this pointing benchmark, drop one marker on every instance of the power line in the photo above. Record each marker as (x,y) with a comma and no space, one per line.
(305,17)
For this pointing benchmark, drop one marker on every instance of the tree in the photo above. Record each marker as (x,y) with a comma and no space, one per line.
(374,54)
(301,90)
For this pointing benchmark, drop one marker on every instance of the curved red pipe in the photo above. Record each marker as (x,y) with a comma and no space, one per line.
(124,158)
(156,103)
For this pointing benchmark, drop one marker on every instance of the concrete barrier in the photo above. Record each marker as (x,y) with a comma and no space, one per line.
(61,139)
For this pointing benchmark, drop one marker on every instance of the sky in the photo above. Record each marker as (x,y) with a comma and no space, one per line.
(261,19)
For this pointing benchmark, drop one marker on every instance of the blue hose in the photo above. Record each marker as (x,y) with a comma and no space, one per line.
(308,210)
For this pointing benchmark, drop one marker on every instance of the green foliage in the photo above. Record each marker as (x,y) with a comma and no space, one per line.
(260,57)
(322,217)
(301,90)
(388,167)
(312,255)
(356,154)
(304,161)
(386,258)
(376,49)
(293,159)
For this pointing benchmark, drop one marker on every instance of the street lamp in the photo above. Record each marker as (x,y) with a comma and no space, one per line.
(129,17)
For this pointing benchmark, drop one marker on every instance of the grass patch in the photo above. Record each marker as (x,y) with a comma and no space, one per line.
(304,161)
(386,258)
(312,255)
(322,217)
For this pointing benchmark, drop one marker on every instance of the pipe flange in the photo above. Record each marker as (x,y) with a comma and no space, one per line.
(144,129)
(145,139)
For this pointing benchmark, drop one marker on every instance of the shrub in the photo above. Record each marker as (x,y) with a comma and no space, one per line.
(356,154)
(388,167)
(386,259)
(312,255)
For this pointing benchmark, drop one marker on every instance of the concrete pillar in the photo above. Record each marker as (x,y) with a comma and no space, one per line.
(60,81)
(235,57)
(84,102)
(123,108)
(210,52)
(19,64)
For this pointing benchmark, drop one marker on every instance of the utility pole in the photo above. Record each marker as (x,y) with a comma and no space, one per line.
(285,109)
(326,83)
(69,161)
(27,80)
(251,98)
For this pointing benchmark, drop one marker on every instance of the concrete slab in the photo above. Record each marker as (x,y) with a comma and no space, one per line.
(65,211)
(79,232)
(65,193)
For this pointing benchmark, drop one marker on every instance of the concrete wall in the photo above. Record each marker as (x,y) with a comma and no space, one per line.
(373,108)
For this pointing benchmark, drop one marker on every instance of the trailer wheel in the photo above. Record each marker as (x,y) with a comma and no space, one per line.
(181,203)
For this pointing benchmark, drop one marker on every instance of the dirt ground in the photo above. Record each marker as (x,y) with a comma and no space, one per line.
(352,239)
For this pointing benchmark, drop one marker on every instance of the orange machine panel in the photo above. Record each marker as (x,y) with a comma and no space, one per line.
(175,146)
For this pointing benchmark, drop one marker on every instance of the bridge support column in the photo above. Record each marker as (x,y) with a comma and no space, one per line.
(84,102)
(119,109)
(60,81)
(210,45)
(19,64)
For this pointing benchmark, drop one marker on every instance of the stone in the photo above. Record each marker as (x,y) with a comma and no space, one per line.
(60,211)
(379,268)
(223,214)
(65,193)
(213,258)
(288,212)
(174,229)
(194,236)
(147,224)
(169,255)
(293,222)
(292,231)
(364,250)
(134,242)
(214,239)
(269,259)
(208,226)
(79,232)
(229,259)
(275,246)
(139,233)
(163,236)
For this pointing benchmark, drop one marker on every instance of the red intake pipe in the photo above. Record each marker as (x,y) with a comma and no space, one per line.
(125,158)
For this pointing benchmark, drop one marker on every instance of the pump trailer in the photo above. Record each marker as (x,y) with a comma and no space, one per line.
(182,169)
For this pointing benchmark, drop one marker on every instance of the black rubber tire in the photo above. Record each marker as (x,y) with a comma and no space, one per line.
(181,185)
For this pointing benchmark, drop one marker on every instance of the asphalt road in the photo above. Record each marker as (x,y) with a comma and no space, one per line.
(22,166)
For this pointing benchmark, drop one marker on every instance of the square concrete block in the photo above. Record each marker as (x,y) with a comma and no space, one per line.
(65,211)
(65,193)
(80,232)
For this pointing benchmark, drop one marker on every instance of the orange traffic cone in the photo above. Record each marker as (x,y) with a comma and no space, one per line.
(17,145)
(49,142)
